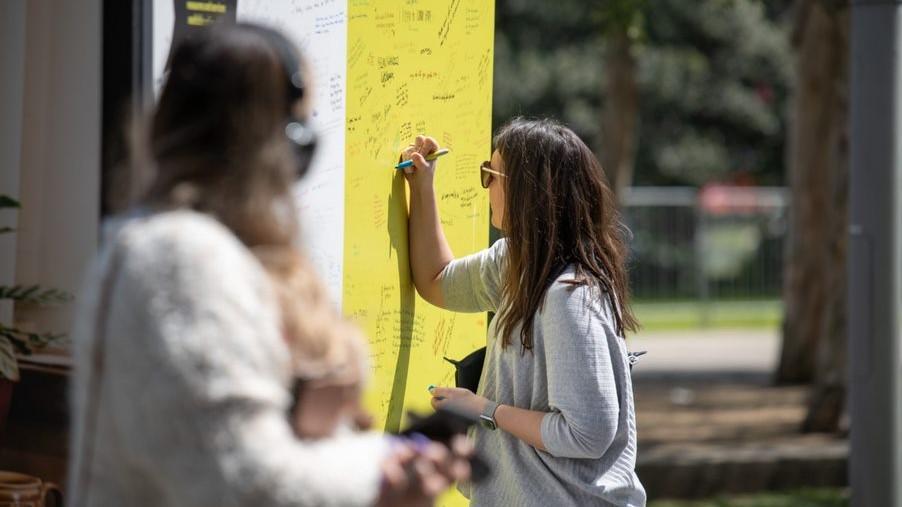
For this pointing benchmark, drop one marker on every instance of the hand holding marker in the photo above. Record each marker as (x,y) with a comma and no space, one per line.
(429,158)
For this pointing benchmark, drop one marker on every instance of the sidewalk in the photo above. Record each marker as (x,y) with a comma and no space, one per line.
(710,421)
(706,351)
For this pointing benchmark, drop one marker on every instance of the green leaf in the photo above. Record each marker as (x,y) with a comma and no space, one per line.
(21,347)
(8,202)
(41,340)
(28,292)
(25,342)
(34,294)
(9,367)
(11,334)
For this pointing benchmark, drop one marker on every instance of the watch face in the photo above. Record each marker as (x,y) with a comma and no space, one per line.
(487,421)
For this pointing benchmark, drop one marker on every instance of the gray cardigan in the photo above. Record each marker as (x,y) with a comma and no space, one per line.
(577,372)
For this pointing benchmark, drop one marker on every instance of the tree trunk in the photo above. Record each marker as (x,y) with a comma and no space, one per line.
(621,110)
(814,262)
(828,395)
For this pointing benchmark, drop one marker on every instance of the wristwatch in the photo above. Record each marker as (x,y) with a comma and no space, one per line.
(487,417)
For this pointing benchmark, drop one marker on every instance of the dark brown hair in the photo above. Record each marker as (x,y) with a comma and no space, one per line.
(217,138)
(560,211)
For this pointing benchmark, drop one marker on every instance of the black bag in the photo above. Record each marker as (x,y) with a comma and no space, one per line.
(469,369)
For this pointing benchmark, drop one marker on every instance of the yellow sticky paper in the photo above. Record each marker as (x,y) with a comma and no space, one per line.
(421,67)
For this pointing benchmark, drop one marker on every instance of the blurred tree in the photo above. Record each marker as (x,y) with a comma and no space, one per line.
(621,26)
(814,327)
(548,63)
(709,78)
(714,78)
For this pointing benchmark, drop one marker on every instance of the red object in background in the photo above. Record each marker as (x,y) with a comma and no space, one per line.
(765,93)
(720,199)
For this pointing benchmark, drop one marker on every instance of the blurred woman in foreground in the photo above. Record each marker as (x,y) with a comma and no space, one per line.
(183,382)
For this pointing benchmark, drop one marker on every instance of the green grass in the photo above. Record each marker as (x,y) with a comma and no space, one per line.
(683,315)
(800,498)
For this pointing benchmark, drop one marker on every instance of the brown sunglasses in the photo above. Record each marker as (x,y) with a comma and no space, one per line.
(486,173)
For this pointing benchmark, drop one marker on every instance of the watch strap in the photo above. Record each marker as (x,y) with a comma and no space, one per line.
(488,414)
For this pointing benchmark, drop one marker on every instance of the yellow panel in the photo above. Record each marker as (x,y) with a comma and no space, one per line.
(414,66)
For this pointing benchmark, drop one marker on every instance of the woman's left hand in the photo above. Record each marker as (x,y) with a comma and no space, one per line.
(459,397)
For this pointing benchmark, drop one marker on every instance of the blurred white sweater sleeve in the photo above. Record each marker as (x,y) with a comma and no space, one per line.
(198,374)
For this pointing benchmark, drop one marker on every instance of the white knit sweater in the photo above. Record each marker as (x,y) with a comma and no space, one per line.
(193,398)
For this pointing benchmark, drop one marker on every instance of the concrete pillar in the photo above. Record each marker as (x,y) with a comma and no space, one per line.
(875,260)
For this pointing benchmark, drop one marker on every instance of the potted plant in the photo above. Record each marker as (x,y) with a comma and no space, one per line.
(15,341)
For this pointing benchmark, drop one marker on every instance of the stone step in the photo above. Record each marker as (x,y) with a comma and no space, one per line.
(712,434)
(705,470)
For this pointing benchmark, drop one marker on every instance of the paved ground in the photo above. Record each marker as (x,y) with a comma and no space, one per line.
(711,422)
(729,351)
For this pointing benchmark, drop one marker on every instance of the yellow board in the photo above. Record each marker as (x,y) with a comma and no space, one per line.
(414,66)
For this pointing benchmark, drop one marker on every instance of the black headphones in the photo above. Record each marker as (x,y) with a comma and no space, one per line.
(301,136)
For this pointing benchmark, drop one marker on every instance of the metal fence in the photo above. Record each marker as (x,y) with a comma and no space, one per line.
(717,242)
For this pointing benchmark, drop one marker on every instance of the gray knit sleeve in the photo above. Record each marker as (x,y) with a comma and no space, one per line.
(579,342)
(473,283)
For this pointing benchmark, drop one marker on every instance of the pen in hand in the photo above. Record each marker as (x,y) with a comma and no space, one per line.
(432,156)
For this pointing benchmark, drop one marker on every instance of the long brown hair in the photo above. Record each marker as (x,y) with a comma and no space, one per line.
(321,342)
(217,138)
(218,143)
(560,211)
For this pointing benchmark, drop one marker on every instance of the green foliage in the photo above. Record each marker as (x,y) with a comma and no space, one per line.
(15,341)
(692,314)
(714,78)
(9,367)
(626,15)
(34,294)
(8,202)
(25,342)
(548,63)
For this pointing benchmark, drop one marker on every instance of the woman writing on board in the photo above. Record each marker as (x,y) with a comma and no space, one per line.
(555,391)
(183,386)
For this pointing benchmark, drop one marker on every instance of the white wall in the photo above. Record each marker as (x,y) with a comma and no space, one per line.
(59,171)
(12,63)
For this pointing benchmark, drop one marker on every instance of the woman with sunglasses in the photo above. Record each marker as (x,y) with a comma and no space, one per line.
(555,393)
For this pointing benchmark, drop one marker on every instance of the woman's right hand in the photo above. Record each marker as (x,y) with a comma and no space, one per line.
(422,171)
(429,249)
(415,473)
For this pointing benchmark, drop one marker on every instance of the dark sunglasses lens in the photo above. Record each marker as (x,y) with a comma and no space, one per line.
(485,176)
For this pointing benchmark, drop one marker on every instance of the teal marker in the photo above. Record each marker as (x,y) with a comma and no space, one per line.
(430,388)
(432,156)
